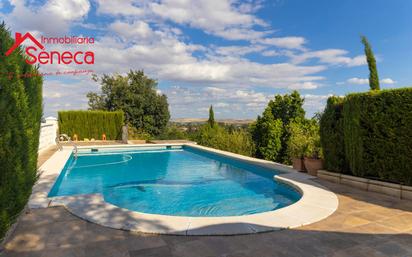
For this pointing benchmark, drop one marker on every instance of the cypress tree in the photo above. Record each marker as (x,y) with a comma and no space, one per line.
(373,71)
(211,119)
(21,110)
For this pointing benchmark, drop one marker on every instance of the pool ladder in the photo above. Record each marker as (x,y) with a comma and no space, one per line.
(65,136)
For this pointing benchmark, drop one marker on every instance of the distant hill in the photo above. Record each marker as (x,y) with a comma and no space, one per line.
(203,120)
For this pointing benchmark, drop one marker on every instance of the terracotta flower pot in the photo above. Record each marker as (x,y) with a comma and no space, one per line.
(298,165)
(313,165)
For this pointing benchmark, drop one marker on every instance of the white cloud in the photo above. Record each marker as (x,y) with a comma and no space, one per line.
(53,18)
(218,17)
(269,53)
(314,103)
(59,95)
(357,61)
(214,90)
(68,9)
(329,56)
(304,85)
(238,50)
(120,7)
(230,102)
(222,105)
(136,30)
(285,42)
(227,102)
(362,81)
(358,81)
(388,81)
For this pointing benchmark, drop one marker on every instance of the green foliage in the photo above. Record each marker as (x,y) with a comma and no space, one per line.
(237,141)
(211,120)
(304,140)
(332,138)
(172,132)
(91,124)
(135,95)
(267,134)
(297,141)
(271,143)
(21,111)
(138,134)
(373,71)
(378,134)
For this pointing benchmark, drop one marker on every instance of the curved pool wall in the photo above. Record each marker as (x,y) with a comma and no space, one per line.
(178,181)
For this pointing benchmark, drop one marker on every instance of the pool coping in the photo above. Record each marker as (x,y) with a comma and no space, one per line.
(316,203)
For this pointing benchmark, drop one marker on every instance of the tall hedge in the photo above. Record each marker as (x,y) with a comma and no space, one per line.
(378,134)
(21,111)
(91,124)
(332,138)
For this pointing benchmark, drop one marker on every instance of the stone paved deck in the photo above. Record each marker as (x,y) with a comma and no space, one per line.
(365,224)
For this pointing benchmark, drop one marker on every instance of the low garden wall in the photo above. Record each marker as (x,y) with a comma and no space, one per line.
(391,189)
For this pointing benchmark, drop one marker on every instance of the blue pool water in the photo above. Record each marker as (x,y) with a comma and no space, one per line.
(180,182)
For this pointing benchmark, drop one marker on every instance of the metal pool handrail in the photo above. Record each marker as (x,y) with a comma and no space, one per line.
(69,140)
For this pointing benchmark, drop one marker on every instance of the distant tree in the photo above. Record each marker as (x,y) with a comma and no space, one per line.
(285,108)
(373,71)
(211,119)
(135,94)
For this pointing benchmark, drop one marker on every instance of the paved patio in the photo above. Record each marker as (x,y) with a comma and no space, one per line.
(365,224)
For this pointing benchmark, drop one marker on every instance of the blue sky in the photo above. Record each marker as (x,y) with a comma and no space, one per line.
(233,54)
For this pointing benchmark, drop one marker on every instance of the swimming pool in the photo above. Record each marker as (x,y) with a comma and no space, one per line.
(175,181)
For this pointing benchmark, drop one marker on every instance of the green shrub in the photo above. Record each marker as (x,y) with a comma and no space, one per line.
(331,135)
(172,132)
(304,140)
(267,134)
(238,141)
(21,111)
(138,134)
(91,124)
(378,134)
(270,133)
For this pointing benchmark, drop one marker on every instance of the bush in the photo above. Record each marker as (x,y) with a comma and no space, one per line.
(331,135)
(238,141)
(91,124)
(21,111)
(172,132)
(267,134)
(378,134)
(304,140)
(138,134)
(270,133)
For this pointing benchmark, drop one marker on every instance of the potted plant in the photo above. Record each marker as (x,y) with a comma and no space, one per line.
(313,150)
(297,145)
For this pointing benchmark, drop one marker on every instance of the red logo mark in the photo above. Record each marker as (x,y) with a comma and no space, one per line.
(19,41)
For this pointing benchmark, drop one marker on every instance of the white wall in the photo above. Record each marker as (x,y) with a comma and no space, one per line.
(48,133)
